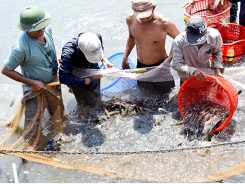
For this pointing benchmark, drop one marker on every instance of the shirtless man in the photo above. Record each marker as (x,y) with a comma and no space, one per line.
(148,31)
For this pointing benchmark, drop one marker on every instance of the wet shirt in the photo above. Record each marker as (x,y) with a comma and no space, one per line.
(187,58)
(37,60)
(72,57)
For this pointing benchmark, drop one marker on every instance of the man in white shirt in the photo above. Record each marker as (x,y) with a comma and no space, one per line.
(192,50)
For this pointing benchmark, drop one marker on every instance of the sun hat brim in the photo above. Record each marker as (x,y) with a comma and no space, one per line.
(39,25)
(196,39)
(143,14)
(94,58)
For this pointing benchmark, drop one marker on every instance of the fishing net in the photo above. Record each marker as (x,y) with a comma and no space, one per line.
(135,134)
(38,104)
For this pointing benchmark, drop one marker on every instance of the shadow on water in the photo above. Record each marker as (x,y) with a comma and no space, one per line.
(85,123)
(79,127)
(227,133)
(143,124)
(157,96)
(91,136)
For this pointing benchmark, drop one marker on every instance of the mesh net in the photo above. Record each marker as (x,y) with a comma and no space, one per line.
(134,133)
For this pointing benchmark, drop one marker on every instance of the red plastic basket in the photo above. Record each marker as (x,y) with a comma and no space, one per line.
(214,88)
(233,35)
(205,9)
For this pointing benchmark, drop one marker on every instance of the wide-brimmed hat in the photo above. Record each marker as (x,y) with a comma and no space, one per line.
(142,8)
(196,30)
(32,18)
(90,44)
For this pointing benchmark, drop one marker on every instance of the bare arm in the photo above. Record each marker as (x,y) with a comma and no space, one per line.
(129,45)
(172,31)
(35,84)
(106,62)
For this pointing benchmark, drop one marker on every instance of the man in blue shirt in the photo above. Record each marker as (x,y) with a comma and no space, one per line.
(83,52)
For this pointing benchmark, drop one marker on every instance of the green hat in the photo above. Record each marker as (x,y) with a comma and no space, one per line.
(32,18)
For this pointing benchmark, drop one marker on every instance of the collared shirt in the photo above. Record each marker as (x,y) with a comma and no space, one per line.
(72,57)
(187,58)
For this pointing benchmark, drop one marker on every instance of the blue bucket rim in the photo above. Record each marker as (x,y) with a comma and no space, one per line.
(110,58)
(115,55)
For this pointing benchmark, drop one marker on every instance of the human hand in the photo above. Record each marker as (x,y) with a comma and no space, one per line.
(87,81)
(108,64)
(38,85)
(199,74)
(125,64)
(217,72)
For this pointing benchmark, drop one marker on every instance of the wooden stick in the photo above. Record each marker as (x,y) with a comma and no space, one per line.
(51,84)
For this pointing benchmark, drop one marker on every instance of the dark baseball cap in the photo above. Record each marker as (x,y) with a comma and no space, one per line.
(196,30)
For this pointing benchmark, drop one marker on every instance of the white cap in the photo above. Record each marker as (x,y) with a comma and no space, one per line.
(90,45)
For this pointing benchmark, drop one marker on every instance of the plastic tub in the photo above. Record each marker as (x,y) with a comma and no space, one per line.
(214,88)
(203,8)
(233,36)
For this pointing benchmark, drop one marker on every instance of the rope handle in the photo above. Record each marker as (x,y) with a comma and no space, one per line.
(53,84)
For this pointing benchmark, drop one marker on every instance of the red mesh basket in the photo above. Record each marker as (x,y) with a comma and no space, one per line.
(214,88)
(205,9)
(233,35)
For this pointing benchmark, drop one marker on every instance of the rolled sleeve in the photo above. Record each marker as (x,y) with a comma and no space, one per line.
(178,62)
(217,60)
(70,80)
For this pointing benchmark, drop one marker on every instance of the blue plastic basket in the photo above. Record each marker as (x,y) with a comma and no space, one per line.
(121,83)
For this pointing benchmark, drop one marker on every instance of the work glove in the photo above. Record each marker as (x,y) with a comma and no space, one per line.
(92,85)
